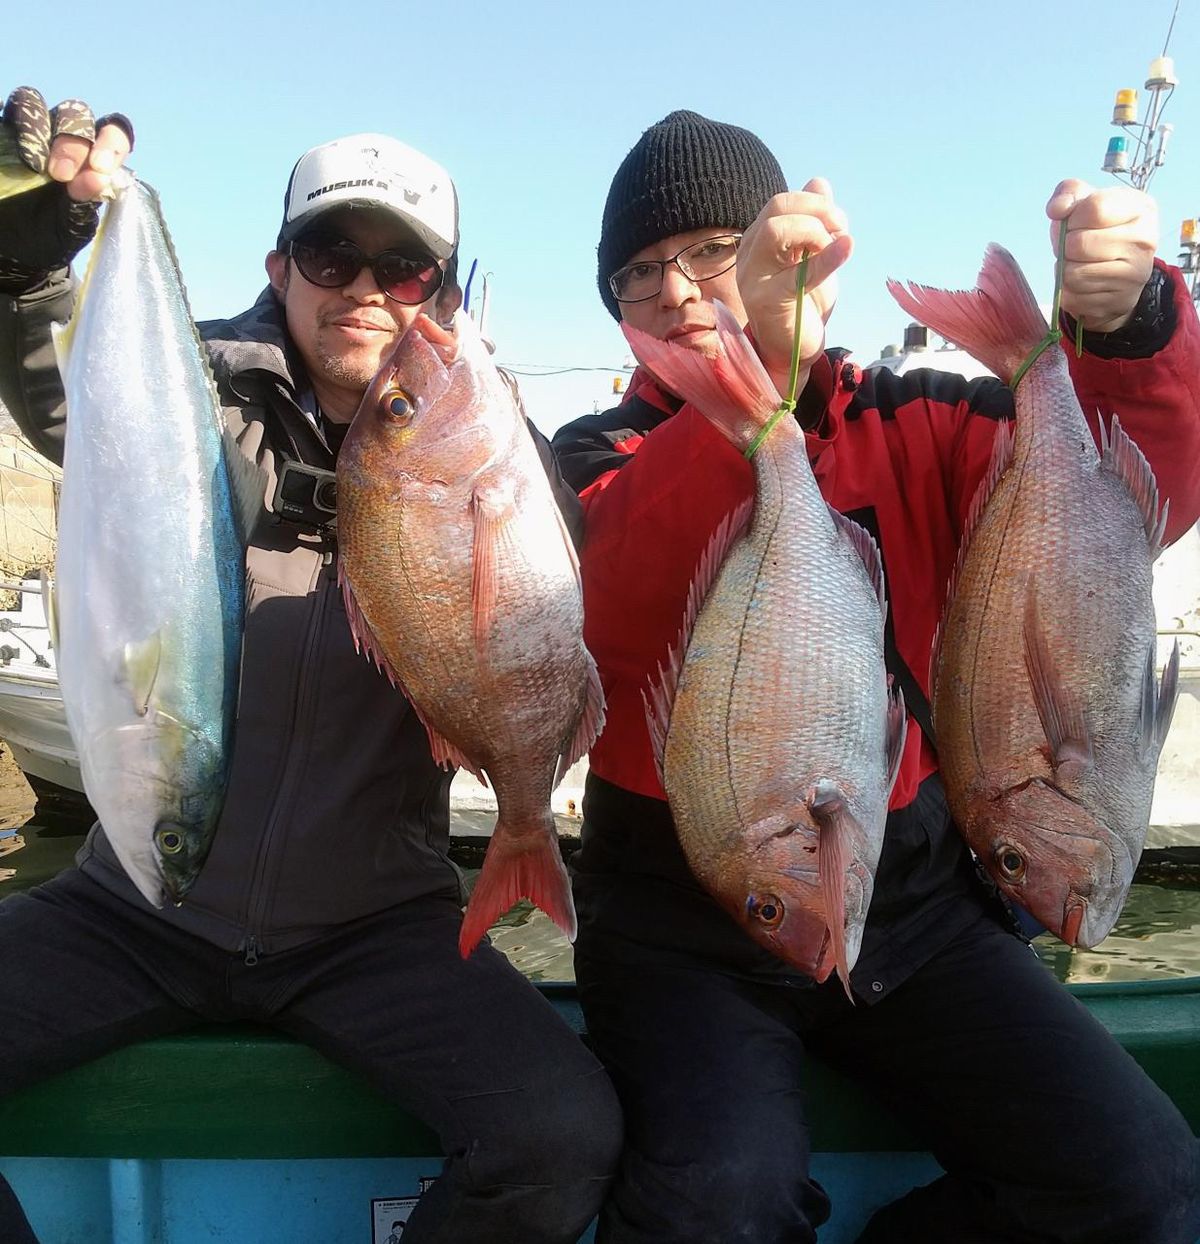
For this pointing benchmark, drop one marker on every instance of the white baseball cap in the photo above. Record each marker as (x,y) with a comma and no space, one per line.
(375,171)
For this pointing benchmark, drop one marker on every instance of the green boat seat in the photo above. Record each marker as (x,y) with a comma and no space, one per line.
(245,1092)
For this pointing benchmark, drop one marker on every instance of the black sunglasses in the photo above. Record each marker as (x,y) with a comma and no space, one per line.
(334,262)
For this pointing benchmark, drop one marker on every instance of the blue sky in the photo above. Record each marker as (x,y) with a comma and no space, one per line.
(943,126)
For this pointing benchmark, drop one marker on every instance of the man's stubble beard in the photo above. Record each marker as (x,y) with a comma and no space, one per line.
(353,372)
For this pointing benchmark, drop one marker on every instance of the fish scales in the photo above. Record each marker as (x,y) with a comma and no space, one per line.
(767,680)
(1048,718)
(461,581)
(149,576)
(781,739)
(1056,525)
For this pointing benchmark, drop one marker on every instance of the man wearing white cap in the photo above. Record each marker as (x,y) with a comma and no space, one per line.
(328,906)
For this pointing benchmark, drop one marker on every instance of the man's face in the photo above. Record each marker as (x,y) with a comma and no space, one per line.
(682,310)
(343,334)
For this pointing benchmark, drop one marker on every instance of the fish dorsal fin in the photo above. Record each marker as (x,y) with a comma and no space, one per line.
(492,504)
(1125,460)
(247,486)
(364,637)
(142,663)
(591,722)
(443,751)
(662,689)
(864,545)
(1001,459)
(1058,708)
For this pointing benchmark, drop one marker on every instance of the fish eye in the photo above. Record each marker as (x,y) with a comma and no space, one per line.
(401,406)
(767,909)
(1010,861)
(169,840)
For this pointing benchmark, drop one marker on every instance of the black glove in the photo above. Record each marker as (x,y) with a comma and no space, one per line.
(43,229)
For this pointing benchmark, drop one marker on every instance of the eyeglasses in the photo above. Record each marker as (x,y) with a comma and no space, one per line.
(699,262)
(334,262)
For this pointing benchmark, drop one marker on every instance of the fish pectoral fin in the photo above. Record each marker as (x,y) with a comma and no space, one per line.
(1158,699)
(895,734)
(142,664)
(1125,460)
(492,507)
(838,826)
(1058,708)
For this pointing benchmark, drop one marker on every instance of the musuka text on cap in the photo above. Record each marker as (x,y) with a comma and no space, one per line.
(375,171)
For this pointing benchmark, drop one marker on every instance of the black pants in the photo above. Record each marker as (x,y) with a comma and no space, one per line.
(527,1116)
(1046,1128)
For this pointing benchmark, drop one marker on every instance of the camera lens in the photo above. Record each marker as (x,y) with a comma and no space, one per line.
(325,495)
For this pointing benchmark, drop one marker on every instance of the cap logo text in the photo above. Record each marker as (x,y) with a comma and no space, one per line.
(344,185)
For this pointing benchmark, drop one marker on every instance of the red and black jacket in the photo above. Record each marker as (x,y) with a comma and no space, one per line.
(902,455)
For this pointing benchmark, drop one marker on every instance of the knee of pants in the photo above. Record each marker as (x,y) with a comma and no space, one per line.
(1157,1199)
(569,1133)
(736,1197)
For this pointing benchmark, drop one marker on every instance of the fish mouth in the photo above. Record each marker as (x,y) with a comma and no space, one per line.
(1073,915)
(444,341)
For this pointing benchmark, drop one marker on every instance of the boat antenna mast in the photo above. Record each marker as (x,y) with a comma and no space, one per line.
(1136,154)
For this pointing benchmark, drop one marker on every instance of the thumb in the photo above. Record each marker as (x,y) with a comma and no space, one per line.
(819,185)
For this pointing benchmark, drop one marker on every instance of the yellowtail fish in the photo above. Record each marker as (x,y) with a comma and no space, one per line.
(150,568)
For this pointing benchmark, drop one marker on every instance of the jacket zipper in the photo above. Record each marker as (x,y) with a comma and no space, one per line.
(256,902)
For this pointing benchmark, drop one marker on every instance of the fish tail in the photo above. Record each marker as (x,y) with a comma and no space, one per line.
(998,322)
(520,863)
(731,389)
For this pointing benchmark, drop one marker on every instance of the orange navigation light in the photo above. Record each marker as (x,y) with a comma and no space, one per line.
(1125,109)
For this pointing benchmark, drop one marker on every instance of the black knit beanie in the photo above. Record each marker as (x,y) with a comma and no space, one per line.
(684,173)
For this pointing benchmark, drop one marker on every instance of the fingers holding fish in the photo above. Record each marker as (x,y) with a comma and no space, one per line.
(66,143)
(1112,235)
(789,227)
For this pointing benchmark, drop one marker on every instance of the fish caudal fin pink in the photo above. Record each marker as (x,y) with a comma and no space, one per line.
(732,390)
(998,322)
(519,864)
